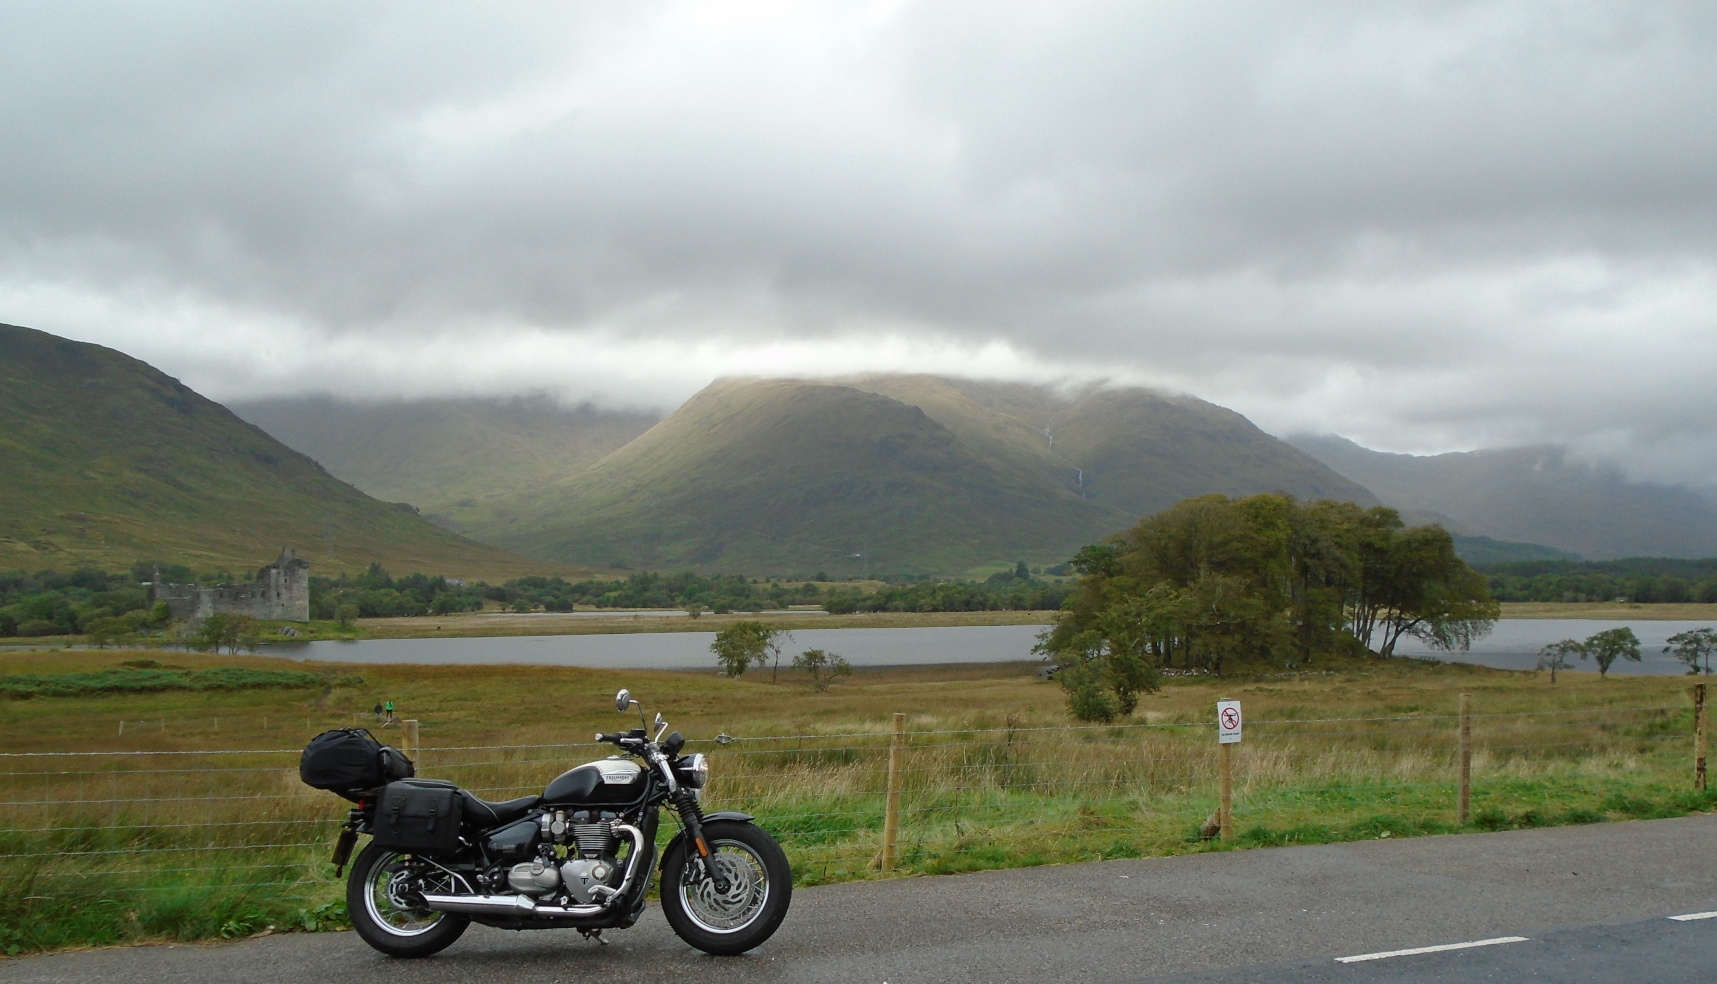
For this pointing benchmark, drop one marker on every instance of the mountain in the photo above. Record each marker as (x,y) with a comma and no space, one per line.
(1482,551)
(450,458)
(896,473)
(1533,495)
(108,461)
(1134,449)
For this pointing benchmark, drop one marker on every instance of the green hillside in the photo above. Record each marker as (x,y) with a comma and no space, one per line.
(1480,551)
(898,474)
(1129,448)
(1533,495)
(450,458)
(107,461)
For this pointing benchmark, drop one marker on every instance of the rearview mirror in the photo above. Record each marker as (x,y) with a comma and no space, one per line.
(623,699)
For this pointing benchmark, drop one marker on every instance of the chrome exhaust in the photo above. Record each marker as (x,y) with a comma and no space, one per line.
(524,905)
(503,905)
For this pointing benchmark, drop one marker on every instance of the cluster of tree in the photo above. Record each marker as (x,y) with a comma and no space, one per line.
(1694,647)
(1010,590)
(48,603)
(1015,590)
(1213,582)
(376,594)
(714,592)
(1643,580)
(224,630)
(743,645)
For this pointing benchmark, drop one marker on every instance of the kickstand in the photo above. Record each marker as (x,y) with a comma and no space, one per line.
(594,934)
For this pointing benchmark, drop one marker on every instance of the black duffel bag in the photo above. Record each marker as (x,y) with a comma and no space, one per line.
(351,759)
(418,816)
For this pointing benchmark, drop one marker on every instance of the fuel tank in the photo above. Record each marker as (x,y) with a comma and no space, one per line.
(605,782)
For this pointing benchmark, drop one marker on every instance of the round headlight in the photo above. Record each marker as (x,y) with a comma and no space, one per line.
(695,771)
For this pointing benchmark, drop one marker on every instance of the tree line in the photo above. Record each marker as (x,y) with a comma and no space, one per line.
(88,600)
(1214,582)
(1642,580)
(1009,591)
(48,603)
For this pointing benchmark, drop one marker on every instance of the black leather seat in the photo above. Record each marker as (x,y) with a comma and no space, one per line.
(491,815)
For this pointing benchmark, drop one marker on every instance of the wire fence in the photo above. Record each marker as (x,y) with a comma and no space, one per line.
(105,824)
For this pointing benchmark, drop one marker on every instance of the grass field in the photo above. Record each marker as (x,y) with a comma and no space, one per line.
(164,844)
(1690,611)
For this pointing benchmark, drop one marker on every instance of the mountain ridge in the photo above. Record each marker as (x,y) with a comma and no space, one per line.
(449,457)
(109,461)
(908,473)
(1532,495)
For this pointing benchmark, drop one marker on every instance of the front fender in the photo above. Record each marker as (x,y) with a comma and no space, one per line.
(718,815)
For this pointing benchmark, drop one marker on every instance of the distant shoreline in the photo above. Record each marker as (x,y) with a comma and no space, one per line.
(481,624)
(1619,611)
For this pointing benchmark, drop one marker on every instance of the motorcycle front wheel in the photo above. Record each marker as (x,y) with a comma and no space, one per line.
(759,889)
(384,898)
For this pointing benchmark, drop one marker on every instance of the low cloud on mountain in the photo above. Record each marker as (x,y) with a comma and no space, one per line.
(1427,227)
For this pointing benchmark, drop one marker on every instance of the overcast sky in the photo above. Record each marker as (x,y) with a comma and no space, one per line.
(1428,227)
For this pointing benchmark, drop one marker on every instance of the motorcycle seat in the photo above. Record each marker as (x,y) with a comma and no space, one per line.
(496,814)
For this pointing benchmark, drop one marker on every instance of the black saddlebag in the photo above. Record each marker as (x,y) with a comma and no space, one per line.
(351,759)
(418,816)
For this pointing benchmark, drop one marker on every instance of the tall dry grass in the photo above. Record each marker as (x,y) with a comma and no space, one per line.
(194,824)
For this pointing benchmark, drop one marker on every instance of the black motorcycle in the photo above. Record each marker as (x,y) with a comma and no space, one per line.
(580,856)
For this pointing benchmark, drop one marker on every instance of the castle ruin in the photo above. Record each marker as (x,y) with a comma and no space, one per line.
(280,592)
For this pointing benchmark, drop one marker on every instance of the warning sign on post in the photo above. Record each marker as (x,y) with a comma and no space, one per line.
(1227,721)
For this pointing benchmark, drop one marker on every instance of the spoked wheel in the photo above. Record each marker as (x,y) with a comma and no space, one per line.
(759,887)
(384,897)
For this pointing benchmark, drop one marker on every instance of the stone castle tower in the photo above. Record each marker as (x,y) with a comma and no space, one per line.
(280,592)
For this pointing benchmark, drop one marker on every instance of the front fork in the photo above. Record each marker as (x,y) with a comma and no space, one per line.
(691,815)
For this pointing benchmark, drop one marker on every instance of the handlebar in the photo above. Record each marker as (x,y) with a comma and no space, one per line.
(619,738)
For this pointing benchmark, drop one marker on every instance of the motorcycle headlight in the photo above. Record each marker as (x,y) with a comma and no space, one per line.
(694,772)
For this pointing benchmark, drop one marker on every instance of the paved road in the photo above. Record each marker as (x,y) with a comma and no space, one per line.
(1593,901)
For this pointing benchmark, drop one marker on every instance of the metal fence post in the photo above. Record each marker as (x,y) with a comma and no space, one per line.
(891,818)
(1466,800)
(1699,736)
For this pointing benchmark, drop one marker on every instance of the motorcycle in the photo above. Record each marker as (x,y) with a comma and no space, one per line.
(579,856)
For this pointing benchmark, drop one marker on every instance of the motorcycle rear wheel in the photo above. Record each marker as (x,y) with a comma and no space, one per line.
(379,901)
(760,889)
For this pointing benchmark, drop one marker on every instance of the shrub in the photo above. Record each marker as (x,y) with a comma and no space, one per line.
(39,627)
(1088,699)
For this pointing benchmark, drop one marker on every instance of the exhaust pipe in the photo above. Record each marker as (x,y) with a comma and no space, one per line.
(504,905)
(524,905)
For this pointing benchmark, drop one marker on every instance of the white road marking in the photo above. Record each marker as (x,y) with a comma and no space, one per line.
(1361,958)
(1695,915)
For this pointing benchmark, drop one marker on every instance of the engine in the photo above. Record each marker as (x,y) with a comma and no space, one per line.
(577,855)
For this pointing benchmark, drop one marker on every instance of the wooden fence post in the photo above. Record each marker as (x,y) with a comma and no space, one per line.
(1699,736)
(891,817)
(408,733)
(1225,812)
(1466,800)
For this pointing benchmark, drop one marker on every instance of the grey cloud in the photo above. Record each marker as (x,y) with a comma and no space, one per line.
(1427,226)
